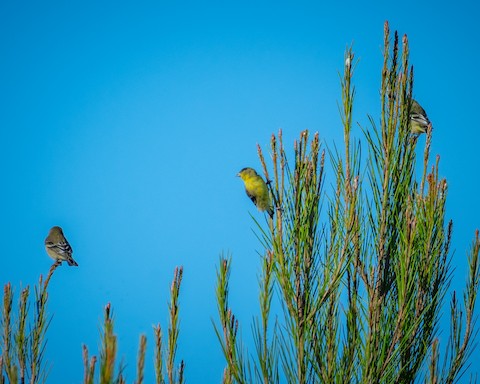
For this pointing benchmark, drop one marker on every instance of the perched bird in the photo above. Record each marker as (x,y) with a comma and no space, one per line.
(58,248)
(256,189)
(418,118)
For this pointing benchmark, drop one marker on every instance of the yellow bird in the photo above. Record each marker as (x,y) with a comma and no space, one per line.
(58,248)
(419,121)
(256,189)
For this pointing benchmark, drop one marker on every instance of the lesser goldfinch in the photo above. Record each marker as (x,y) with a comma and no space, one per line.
(419,121)
(58,247)
(256,189)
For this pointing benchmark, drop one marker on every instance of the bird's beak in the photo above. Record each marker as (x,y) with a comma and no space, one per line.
(238,175)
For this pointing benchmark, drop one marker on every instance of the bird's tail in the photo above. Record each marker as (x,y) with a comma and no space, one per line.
(72,262)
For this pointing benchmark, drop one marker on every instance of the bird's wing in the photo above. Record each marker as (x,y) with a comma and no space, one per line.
(419,118)
(62,248)
(252,196)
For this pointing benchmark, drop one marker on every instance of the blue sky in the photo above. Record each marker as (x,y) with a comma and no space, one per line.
(126,122)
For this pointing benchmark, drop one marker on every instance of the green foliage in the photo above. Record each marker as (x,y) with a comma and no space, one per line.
(108,348)
(362,285)
(22,345)
(22,352)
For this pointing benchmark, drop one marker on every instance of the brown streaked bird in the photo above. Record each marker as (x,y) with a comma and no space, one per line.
(419,121)
(58,248)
